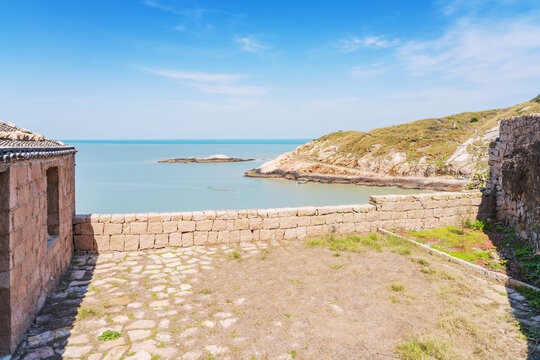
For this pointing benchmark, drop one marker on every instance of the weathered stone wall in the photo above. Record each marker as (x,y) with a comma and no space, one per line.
(126,232)
(30,265)
(514,160)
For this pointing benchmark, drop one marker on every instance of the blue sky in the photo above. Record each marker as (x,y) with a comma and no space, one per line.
(122,69)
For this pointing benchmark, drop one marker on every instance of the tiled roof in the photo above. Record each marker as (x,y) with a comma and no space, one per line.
(21,144)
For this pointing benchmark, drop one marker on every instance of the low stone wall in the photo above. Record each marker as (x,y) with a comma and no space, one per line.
(127,232)
(514,160)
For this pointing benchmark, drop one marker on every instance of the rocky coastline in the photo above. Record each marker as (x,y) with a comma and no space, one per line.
(289,166)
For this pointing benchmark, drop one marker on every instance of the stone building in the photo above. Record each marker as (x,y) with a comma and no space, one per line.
(37,204)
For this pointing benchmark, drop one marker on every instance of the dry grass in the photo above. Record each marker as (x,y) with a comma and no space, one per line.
(436,139)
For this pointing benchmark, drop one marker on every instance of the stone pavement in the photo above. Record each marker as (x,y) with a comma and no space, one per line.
(137,294)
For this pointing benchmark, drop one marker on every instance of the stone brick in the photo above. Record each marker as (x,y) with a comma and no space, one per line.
(204,225)
(234,237)
(175,239)
(241,224)
(270,223)
(266,235)
(314,231)
(117,242)
(245,235)
(255,223)
(288,222)
(131,242)
(170,226)
(219,225)
(223,237)
(146,241)
(187,239)
(155,227)
(186,226)
(291,234)
(161,240)
(138,228)
(84,242)
(317,220)
(102,243)
(200,237)
(212,237)
(112,229)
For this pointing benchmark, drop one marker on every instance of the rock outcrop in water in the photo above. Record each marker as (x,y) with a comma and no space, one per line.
(218,158)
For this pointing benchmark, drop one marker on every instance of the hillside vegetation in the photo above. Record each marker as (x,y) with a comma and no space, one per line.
(429,142)
(453,148)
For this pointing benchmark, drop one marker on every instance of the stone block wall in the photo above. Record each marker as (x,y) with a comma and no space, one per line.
(31,262)
(514,160)
(129,232)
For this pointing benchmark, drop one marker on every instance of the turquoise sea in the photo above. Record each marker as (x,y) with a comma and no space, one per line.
(123,176)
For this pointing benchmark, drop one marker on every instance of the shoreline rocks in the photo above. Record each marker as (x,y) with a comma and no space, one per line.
(288,166)
(218,158)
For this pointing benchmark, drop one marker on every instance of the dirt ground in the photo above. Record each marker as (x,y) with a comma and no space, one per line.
(258,301)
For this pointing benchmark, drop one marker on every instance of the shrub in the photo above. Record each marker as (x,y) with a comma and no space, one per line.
(473,120)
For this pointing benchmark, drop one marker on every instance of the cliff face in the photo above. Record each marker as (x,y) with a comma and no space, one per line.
(426,153)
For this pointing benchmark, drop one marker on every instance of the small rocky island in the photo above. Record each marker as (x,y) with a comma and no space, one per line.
(218,158)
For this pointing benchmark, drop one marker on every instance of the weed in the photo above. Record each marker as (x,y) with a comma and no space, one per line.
(427,270)
(109,335)
(422,262)
(337,254)
(235,254)
(205,291)
(394,299)
(418,348)
(337,266)
(293,354)
(287,315)
(296,281)
(109,320)
(84,313)
(532,296)
(161,344)
(154,357)
(397,287)
(105,304)
(403,250)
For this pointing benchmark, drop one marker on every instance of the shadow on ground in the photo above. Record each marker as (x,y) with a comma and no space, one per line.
(48,335)
(513,249)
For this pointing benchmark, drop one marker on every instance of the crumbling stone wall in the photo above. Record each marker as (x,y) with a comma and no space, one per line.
(514,160)
(127,232)
(31,262)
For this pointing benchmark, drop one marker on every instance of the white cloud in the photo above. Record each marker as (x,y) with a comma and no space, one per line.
(195,76)
(212,83)
(352,44)
(477,52)
(250,44)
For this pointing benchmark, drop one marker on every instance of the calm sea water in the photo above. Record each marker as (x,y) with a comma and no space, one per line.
(124,177)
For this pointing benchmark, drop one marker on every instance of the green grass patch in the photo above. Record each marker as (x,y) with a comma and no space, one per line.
(356,243)
(109,335)
(397,287)
(84,313)
(419,348)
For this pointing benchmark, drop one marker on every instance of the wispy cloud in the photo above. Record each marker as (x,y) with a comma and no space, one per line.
(212,83)
(478,52)
(250,44)
(352,44)
(193,20)
(195,76)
